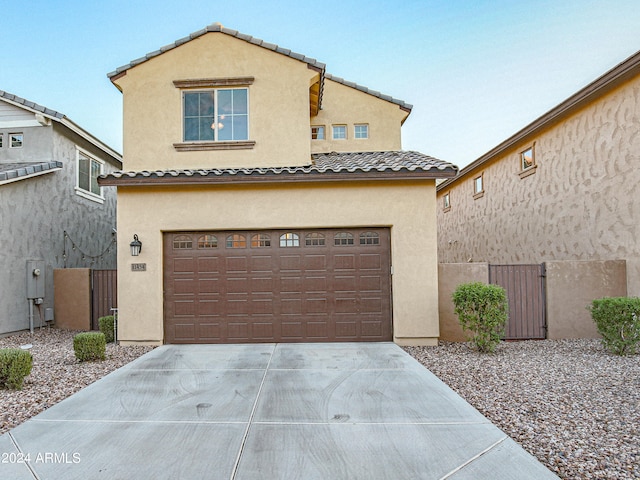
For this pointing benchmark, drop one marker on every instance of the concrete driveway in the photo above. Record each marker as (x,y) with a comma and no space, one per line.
(267,411)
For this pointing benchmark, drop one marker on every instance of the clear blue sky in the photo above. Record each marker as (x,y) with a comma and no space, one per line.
(475,71)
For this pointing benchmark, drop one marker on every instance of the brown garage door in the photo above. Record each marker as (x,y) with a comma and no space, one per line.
(277,286)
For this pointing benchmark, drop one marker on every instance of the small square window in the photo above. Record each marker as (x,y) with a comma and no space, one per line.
(361,131)
(527,159)
(339,132)
(15,140)
(317,132)
(478,188)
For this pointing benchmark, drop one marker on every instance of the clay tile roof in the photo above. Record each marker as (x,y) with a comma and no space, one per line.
(323,167)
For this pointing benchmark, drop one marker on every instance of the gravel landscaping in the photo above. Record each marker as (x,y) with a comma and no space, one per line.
(568,402)
(56,373)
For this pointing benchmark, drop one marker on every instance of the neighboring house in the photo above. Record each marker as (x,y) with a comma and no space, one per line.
(564,188)
(53,213)
(273,202)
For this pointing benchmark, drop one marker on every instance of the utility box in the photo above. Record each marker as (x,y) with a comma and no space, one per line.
(35,279)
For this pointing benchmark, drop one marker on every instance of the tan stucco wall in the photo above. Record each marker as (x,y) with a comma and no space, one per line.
(450,275)
(408,208)
(72,298)
(278,105)
(344,105)
(571,287)
(582,202)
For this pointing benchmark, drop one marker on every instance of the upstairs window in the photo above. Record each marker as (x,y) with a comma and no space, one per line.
(446,202)
(216,115)
(317,132)
(89,169)
(339,132)
(1,138)
(361,131)
(478,187)
(527,159)
(16,140)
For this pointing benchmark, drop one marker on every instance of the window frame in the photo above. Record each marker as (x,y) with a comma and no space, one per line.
(1,139)
(446,202)
(334,129)
(80,191)
(10,140)
(289,240)
(526,170)
(319,128)
(478,180)
(216,116)
(366,131)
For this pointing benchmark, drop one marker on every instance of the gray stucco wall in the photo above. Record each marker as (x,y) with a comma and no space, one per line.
(35,213)
(582,202)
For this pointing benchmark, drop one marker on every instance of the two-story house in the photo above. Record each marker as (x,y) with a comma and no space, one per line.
(53,213)
(272,202)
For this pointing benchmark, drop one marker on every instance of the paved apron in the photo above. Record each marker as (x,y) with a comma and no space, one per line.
(267,411)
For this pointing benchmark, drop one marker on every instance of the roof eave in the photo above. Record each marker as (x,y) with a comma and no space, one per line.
(603,84)
(155,179)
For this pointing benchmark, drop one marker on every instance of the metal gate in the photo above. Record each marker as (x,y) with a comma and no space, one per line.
(104,294)
(525,287)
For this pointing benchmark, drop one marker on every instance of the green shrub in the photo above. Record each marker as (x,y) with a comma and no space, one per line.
(15,364)
(482,311)
(106,327)
(618,321)
(89,346)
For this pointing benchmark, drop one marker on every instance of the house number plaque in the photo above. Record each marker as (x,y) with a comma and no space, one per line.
(138,267)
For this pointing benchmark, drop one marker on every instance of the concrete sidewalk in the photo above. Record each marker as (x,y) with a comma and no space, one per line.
(266,411)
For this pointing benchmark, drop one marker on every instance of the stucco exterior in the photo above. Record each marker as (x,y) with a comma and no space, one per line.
(284,93)
(579,202)
(36,211)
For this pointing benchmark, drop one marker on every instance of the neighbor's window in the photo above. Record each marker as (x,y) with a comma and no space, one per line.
(1,137)
(477,185)
(89,169)
(289,240)
(15,140)
(361,131)
(339,132)
(527,159)
(446,201)
(317,132)
(216,115)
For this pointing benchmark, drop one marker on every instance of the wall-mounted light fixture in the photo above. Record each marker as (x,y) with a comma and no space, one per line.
(136,246)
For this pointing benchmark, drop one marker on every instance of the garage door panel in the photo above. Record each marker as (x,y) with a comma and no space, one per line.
(208,265)
(277,286)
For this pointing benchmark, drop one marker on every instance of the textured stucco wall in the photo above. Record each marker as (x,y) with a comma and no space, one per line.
(72,298)
(450,275)
(572,286)
(407,207)
(580,204)
(34,213)
(278,105)
(343,105)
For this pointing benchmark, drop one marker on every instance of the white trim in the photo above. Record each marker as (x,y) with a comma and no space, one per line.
(10,142)
(81,191)
(19,123)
